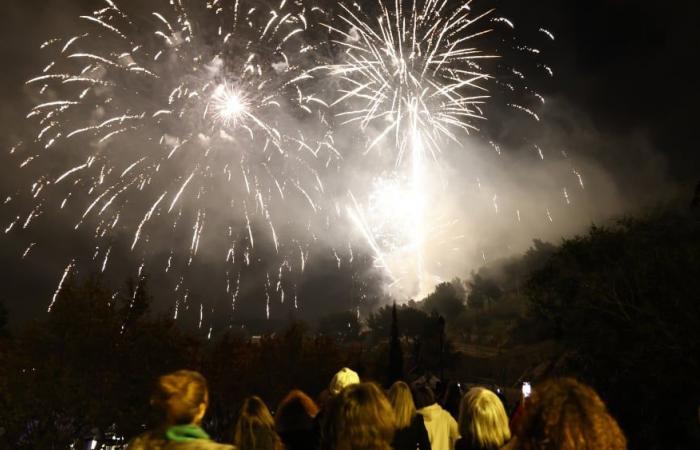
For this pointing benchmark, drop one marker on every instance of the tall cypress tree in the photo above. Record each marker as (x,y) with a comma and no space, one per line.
(395,351)
(3,320)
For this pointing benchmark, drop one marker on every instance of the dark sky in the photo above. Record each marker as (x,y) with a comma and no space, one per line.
(623,66)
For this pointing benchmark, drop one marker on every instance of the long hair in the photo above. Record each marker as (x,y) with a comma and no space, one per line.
(295,412)
(180,396)
(359,418)
(255,429)
(401,401)
(564,414)
(483,422)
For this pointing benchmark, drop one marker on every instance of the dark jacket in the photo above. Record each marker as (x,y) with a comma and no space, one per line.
(299,439)
(413,437)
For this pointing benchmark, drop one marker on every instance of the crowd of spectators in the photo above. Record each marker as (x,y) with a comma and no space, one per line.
(561,414)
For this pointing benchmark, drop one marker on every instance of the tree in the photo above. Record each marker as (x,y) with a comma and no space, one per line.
(395,352)
(3,320)
(413,321)
(483,292)
(343,325)
(137,302)
(77,369)
(445,300)
(623,301)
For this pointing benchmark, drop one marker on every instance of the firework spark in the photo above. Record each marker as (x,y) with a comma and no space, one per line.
(182,108)
(413,77)
(177,113)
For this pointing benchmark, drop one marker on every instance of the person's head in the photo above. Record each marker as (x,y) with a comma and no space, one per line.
(401,401)
(563,414)
(423,396)
(255,427)
(295,412)
(359,418)
(483,421)
(182,397)
(344,378)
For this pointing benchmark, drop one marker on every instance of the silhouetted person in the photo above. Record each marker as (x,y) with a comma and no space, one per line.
(294,421)
(452,398)
(182,397)
(411,433)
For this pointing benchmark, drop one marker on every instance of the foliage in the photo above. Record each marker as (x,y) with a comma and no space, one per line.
(91,365)
(413,321)
(85,367)
(344,326)
(445,300)
(624,302)
(3,320)
(483,292)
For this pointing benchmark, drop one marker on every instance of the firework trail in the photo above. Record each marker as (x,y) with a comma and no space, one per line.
(413,77)
(178,121)
(182,107)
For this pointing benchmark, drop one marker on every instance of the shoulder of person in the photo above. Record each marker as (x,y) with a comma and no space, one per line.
(199,444)
(510,445)
(149,440)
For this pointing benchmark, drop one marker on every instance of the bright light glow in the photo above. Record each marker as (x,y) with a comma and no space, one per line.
(229,106)
(414,75)
(233,106)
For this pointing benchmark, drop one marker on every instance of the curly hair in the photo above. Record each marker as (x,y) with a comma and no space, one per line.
(563,414)
(359,418)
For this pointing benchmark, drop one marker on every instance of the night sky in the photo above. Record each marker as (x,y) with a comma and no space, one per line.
(623,73)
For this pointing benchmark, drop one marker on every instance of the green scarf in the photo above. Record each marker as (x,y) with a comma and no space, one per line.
(184,433)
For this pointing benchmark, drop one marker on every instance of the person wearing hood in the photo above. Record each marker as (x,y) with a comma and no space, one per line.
(442,427)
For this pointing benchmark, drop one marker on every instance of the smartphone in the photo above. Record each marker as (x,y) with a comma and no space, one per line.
(527,389)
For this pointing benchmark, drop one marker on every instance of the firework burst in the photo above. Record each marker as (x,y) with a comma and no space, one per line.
(413,76)
(412,71)
(184,107)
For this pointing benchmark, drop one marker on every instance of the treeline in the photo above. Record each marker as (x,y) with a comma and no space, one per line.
(88,367)
(620,303)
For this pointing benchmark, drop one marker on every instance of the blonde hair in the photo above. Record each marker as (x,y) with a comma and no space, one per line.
(483,422)
(180,396)
(359,418)
(401,401)
(564,414)
(255,428)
